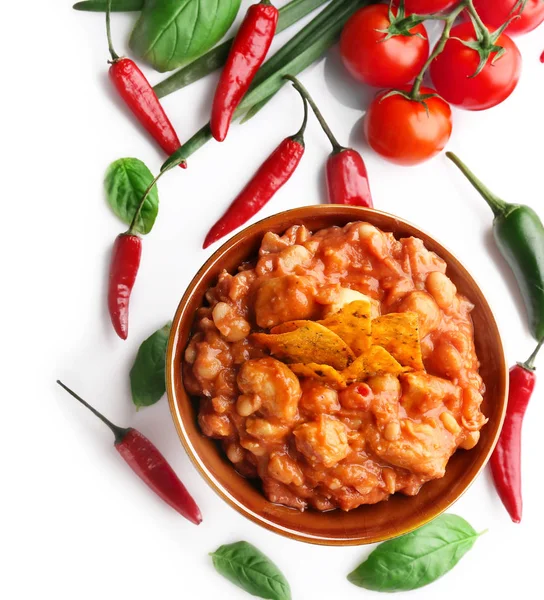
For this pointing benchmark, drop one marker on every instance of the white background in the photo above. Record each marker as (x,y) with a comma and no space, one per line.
(76,523)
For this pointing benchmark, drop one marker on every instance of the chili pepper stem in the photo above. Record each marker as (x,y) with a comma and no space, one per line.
(113,54)
(498,206)
(529,364)
(130,230)
(337,147)
(118,432)
(299,135)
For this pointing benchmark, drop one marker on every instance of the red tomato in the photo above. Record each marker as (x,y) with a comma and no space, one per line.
(404,132)
(427,7)
(372,60)
(497,12)
(452,72)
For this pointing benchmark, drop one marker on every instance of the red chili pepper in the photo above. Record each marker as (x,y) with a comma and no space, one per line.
(149,464)
(125,262)
(124,266)
(273,174)
(139,96)
(246,56)
(347,178)
(506,459)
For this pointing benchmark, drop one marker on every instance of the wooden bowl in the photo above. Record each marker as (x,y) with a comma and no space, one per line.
(366,524)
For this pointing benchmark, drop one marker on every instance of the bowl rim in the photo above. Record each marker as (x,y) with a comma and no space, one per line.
(262,520)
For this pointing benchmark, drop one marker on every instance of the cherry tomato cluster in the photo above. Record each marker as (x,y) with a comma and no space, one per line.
(474,66)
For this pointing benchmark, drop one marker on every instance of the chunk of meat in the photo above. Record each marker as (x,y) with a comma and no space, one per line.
(318,399)
(282,299)
(280,494)
(423,392)
(266,430)
(384,404)
(349,498)
(215,426)
(323,441)
(283,468)
(422,448)
(293,257)
(276,386)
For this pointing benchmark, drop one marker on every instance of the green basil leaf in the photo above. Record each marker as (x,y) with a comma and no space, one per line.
(248,568)
(418,558)
(126,181)
(116,5)
(171,32)
(148,376)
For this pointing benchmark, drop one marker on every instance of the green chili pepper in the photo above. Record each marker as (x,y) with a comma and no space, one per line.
(519,235)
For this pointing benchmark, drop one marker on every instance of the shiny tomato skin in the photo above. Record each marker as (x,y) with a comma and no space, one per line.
(497,12)
(452,70)
(376,62)
(403,132)
(427,7)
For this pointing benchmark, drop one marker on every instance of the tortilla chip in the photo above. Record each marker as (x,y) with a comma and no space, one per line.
(322,373)
(398,333)
(288,326)
(375,361)
(309,343)
(356,371)
(353,324)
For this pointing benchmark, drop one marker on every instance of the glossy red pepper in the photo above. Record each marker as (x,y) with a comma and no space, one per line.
(347,177)
(124,266)
(272,175)
(149,464)
(506,459)
(138,94)
(246,56)
(125,262)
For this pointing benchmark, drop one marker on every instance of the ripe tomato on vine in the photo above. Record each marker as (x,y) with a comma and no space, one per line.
(405,131)
(497,12)
(379,58)
(454,71)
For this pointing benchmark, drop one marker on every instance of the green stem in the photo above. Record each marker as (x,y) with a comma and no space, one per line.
(299,135)
(118,432)
(319,115)
(449,20)
(136,216)
(529,364)
(101,5)
(498,206)
(478,21)
(113,54)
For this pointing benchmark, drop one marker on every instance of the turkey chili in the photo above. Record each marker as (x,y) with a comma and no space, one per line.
(338,367)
